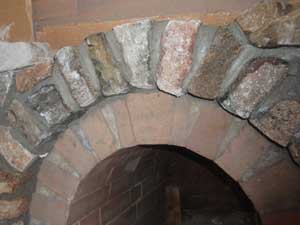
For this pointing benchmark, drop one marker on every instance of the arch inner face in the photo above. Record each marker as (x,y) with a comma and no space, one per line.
(162,185)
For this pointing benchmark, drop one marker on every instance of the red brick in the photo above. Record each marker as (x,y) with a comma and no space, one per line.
(82,207)
(98,133)
(275,189)
(152,116)
(243,152)
(58,180)
(72,151)
(209,130)
(92,219)
(123,120)
(43,208)
(186,112)
(280,218)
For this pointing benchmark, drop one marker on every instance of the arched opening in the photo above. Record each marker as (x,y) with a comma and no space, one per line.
(159,184)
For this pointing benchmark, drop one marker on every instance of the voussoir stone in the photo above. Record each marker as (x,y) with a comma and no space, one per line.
(81,86)
(13,152)
(9,182)
(254,82)
(32,129)
(6,82)
(49,104)
(262,14)
(282,31)
(278,116)
(224,49)
(10,209)
(177,44)
(133,38)
(294,148)
(17,55)
(27,78)
(110,76)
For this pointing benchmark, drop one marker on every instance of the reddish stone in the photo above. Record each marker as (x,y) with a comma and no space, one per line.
(152,116)
(177,46)
(225,48)
(27,78)
(10,209)
(257,79)
(261,15)
(209,130)
(9,182)
(287,218)
(13,152)
(92,219)
(243,152)
(275,189)
(69,146)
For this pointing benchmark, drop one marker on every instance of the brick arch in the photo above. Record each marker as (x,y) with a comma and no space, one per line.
(266,175)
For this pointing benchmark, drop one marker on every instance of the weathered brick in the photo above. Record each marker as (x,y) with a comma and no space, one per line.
(209,130)
(243,152)
(10,209)
(49,104)
(133,38)
(10,182)
(152,116)
(224,49)
(110,76)
(254,82)
(13,152)
(69,146)
(27,78)
(177,46)
(278,184)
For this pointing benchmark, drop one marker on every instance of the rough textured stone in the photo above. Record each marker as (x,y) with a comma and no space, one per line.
(257,79)
(294,148)
(27,78)
(78,81)
(133,38)
(282,31)
(110,76)
(6,82)
(262,14)
(223,51)
(14,153)
(278,116)
(48,103)
(13,209)
(177,46)
(5,32)
(20,54)
(9,182)
(31,128)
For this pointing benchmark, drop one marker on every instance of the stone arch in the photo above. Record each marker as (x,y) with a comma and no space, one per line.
(266,175)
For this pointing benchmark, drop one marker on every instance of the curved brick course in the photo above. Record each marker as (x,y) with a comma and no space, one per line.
(63,106)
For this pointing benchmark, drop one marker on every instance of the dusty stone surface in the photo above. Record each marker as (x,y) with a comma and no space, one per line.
(49,104)
(20,54)
(109,74)
(13,209)
(9,182)
(261,15)
(19,117)
(294,148)
(257,79)
(6,82)
(282,31)
(224,49)
(5,32)
(78,82)
(14,153)
(27,78)
(177,46)
(280,122)
(133,38)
